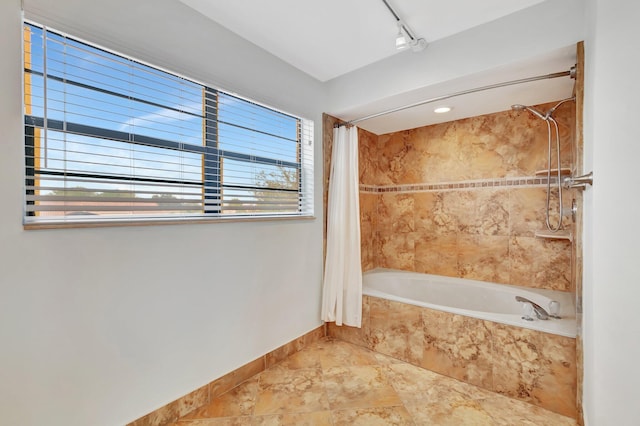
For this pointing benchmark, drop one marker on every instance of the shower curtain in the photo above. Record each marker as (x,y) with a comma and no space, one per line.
(342,287)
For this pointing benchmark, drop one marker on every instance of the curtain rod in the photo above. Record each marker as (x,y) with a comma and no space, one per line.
(571,73)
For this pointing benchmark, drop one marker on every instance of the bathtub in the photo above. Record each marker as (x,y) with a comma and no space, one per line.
(477,299)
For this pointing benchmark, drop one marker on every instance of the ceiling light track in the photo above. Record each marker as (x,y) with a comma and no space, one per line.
(416,43)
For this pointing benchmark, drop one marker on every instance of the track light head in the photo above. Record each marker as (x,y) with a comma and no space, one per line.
(405,39)
(401,38)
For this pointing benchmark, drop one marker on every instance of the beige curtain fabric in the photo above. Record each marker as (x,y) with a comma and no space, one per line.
(342,287)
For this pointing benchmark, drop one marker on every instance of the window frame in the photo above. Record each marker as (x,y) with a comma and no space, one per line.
(212,155)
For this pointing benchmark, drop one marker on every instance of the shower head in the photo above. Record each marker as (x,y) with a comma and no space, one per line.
(519,107)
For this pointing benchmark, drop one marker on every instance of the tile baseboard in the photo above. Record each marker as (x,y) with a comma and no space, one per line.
(203,395)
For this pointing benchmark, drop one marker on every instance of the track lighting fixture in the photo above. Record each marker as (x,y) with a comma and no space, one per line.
(401,39)
(405,37)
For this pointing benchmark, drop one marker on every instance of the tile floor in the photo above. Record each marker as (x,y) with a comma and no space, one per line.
(332,382)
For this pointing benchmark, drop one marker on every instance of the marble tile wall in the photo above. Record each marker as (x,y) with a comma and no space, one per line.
(367,146)
(531,366)
(368,229)
(476,219)
(508,143)
(485,234)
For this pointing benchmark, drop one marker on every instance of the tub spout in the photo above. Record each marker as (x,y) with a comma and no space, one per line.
(539,310)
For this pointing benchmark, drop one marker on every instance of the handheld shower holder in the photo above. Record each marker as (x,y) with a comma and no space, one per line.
(571,211)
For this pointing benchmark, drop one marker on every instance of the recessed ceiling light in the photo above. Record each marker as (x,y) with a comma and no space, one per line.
(442,109)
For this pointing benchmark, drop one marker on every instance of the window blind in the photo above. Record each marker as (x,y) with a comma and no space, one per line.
(108,138)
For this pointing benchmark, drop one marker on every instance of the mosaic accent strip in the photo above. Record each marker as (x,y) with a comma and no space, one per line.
(469,184)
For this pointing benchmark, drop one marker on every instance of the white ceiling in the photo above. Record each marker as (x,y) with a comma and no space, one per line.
(329,39)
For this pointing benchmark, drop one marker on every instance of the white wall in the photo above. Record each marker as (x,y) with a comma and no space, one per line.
(101,326)
(612,211)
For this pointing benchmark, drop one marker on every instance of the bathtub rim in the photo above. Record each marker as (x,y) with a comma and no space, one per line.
(567,326)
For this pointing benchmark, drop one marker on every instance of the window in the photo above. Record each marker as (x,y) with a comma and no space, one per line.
(110,139)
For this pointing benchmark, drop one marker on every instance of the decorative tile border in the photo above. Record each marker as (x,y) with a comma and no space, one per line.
(467,184)
(205,394)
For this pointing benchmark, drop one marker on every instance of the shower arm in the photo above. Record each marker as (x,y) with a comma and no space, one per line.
(555,107)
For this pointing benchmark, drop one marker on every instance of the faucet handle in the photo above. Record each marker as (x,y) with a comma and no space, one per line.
(554,309)
(580,182)
(527,311)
